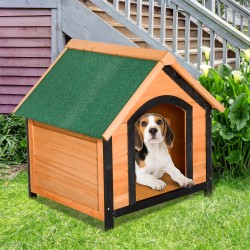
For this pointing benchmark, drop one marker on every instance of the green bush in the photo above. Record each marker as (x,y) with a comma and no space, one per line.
(231,129)
(12,140)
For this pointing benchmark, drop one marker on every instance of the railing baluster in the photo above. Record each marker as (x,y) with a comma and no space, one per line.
(212,46)
(199,38)
(237,54)
(224,51)
(203,2)
(218,8)
(226,13)
(139,13)
(187,37)
(127,9)
(116,4)
(163,22)
(234,18)
(151,18)
(249,28)
(175,27)
(241,23)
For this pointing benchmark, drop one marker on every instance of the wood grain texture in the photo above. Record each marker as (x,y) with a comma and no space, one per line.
(7,108)
(38,4)
(161,85)
(16,71)
(65,167)
(14,90)
(114,49)
(27,32)
(17,80)
(25,21)
(100,177)
(25,42)
(25,51)
(133,101)
(144,192)
(10,99)
(120,167)
(24,12)
(198,87)
(25,62)
(31,154)
(43,75)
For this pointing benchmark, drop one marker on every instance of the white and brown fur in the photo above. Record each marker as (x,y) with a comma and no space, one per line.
(153,136)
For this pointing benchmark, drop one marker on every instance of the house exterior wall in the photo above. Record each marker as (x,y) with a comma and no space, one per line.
(161,85)
(25,52)
(66,167)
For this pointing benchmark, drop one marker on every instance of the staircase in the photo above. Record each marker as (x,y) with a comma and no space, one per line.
(178,28)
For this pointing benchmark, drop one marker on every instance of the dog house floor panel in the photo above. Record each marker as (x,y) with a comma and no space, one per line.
(144,192)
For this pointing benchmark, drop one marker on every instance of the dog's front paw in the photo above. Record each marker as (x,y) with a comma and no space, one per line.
(186,183)
(158,185)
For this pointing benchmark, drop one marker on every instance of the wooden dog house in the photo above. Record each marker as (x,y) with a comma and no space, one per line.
(81,116)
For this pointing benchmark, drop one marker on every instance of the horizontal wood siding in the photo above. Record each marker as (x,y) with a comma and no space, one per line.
(66,165)
(25,52)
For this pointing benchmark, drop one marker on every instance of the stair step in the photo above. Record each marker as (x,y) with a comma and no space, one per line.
(169,42)
(193,55)
(169,31)
(230,61)
(145,17)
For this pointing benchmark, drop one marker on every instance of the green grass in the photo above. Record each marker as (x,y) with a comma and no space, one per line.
(221,221)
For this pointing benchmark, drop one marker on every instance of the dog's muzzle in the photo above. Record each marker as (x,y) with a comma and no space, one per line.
(153,131)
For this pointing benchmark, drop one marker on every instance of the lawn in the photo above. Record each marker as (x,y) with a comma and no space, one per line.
(221,221)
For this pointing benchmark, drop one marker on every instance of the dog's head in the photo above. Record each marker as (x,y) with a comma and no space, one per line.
(152,128)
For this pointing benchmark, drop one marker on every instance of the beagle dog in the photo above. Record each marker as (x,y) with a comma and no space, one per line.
(153,136)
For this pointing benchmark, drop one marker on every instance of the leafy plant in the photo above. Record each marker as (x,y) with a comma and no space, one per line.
(12,140)
(231,129)
(243,2)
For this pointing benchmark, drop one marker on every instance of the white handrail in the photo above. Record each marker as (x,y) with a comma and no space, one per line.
(202,20)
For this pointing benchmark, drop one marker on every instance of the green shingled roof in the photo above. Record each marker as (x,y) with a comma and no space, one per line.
(85,91)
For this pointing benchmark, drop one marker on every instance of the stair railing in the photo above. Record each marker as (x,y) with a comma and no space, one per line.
(197,19)
(232,12)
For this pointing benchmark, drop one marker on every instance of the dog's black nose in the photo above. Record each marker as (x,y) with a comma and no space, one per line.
(153,131)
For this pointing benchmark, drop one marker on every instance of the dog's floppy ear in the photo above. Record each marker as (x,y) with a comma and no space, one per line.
(169,135)
(138,137)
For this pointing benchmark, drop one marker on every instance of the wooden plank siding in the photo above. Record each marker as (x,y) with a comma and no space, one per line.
(25,52)
(162,84)
(67,167)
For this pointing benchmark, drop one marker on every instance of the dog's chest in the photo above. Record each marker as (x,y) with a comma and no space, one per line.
(156,161)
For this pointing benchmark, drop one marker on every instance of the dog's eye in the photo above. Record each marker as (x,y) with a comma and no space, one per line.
(159,122)
(144,124)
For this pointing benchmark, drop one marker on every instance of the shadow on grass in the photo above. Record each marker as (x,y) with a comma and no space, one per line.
(239,183)
(154,209)
(95,223)
(69,212)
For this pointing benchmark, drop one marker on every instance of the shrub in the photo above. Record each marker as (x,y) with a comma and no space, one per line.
(12,140)
(231,129)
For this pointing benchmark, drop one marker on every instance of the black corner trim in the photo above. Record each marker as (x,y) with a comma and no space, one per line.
(209,168)
(31,194)
(108,184)
(165,99)
(185,86)
(131,163)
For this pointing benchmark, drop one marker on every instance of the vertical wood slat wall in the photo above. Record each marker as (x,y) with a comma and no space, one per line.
(25,52)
